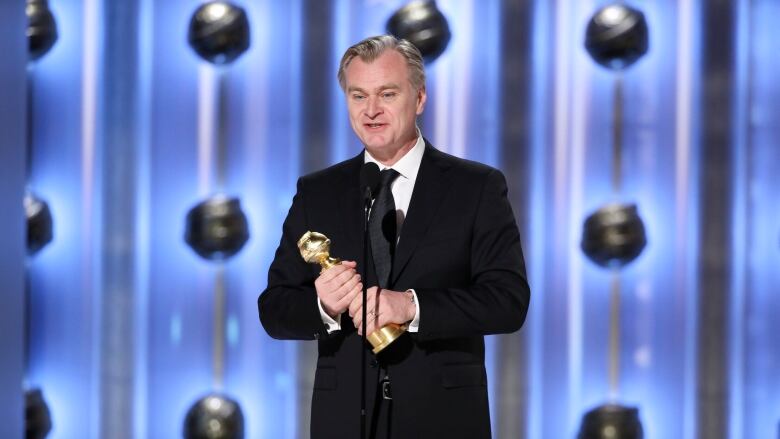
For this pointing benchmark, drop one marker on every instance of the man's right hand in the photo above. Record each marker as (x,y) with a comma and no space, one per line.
(337,286)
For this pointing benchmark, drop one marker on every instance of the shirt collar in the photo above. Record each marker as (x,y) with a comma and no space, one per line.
(409,164)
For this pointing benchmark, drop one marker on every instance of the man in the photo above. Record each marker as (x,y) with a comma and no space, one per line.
(451,268)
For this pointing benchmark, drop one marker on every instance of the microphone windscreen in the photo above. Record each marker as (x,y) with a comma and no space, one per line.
(369,177)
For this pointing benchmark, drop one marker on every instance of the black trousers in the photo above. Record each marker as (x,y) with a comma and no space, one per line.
(381,425)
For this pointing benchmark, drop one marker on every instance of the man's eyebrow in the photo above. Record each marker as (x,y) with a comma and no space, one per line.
(390,86)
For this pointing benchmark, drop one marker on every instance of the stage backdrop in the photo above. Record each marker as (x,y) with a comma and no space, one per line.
(125,125)
(12,262)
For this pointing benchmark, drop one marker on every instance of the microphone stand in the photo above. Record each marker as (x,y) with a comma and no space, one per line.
(367,197)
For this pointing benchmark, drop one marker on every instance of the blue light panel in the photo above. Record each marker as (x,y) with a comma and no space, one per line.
(759,405)
(63,312)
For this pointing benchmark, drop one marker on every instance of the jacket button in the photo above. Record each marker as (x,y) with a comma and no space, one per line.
(316,335)
(374,363)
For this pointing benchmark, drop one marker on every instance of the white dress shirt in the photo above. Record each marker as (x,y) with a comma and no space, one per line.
(402,187)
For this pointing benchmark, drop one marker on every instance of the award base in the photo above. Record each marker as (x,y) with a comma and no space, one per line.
(382,337)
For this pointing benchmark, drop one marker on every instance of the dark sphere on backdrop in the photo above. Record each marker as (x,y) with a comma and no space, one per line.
(41,28)
(219,32)
(617,36)
(37,418)
(422,24)
(614,235)
(217,228)
(611,421)
(39,223)
(214,417)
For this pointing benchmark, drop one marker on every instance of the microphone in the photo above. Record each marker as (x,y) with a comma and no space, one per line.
(369,181)
(369,185)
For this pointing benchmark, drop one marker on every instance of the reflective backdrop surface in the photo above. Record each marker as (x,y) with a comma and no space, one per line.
(131,129)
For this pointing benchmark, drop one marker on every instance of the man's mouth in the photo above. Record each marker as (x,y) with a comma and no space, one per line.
(374,125)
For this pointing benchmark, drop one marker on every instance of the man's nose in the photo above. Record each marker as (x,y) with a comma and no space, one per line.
(373,109)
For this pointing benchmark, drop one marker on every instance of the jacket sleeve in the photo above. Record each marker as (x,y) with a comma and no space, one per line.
(497,297)
(288,306)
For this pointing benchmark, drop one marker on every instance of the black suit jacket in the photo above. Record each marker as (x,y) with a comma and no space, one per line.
(459,248)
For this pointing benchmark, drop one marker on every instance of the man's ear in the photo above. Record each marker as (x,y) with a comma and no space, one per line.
(422,97)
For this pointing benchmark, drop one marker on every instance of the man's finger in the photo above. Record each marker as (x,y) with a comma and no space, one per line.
(349,285)
(347,299)
(370,321)
(355,305)
(342,278)
(332,272)
(357,321)
(371,326)
(343,291)
(381,321)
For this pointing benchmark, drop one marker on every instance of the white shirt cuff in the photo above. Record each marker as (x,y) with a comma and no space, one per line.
(331,324)
(414,326)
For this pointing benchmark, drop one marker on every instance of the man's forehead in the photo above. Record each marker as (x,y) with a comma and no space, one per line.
(388,57)
(389,63)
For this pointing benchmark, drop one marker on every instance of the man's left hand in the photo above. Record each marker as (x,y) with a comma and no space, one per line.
(384,306)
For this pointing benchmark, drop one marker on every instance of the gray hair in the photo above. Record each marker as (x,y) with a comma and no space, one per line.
(371,48)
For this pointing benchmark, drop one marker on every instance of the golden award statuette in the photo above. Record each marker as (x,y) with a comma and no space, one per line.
(315,249)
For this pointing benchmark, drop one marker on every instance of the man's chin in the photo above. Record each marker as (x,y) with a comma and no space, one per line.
(375,143)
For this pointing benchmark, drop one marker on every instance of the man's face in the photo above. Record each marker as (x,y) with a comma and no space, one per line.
(382,104)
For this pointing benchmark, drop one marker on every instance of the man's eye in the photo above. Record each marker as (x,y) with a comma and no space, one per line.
(358,97)
(388,95)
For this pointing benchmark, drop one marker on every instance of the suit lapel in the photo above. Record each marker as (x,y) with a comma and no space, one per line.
(430,189)
(351,210)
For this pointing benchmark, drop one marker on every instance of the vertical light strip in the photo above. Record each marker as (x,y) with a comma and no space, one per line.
(684,277)
(338,127)
(614,336)
(576,194)
(739,237)
(143,215)
(440,90)
(256,84)
(16,267)
(218,329)
(207,106)
(561,139)
(296,63)
(249,369)
(461,16)
(257,148)
(568,176)
(538,112)
(493,60)
(89,258)
(761,411)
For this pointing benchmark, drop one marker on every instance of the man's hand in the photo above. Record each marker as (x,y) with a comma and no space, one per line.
(384,306)
(337,287)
